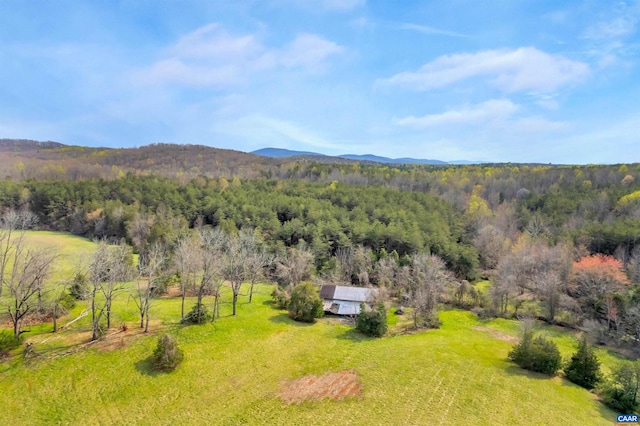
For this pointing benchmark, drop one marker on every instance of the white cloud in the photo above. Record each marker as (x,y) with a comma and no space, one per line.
(618,27)
(424,29)
(308,50)
(495,116)
(211,42)
(523,69)
(609,37)
(492,110)
(209,56)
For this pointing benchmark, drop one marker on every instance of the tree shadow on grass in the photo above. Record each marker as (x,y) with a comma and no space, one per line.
(145,366)
(606,412)
(270,303)
(284,319)
(353,335)
(515,370)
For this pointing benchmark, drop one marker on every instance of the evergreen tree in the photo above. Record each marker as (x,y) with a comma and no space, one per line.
(584,367)
(305,304)
(536,353)
(372,322)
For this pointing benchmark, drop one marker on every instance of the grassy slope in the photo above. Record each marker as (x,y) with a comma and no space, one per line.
(234,368)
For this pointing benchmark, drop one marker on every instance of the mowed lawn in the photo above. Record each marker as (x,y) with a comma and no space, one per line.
(234,369)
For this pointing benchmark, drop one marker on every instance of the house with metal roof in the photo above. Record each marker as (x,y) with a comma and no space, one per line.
(343,300)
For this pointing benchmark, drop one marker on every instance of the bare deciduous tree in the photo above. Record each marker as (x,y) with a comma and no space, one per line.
(295,266)
(29,269)
(534,266)
(233,267)
(428,278)
(188,261)
(147,274)
(212,245)
(22,269)
(13,225)
(109,268)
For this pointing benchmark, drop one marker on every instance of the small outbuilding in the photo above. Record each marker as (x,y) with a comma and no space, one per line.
(344,300)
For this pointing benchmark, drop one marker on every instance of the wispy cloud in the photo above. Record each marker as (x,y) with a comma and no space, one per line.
(425,29)
(210,56)
(492,114)
(609,38)
(308,50)
(495,109)
(276,132)
(520,70)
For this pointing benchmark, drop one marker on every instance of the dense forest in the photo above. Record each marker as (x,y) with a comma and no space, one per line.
(558,242)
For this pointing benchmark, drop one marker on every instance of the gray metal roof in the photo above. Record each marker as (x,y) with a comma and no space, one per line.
(341,307)
(353,294)
(349,294)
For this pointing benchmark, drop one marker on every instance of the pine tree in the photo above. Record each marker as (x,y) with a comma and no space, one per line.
(584,367)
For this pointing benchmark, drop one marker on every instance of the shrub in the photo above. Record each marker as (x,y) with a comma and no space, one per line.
(536,353)
(428,320)
(79,288)
(198,315)
(305,304)
(584,367)
(167,356)
(281,297)
(372,322)
(160,285)
(620,392)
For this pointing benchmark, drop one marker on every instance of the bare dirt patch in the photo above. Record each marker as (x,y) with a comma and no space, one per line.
(334,386)
(497,334)
(173,291)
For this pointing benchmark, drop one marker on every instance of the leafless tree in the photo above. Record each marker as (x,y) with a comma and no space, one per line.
(147,274)
(355,264)
(29,269)
(427,280)
(109,268)
(385,272)
(491,244)
(56,302)
(233,267)
(295,266)
(139,230)
(212,246)
(256,258)
(13,225)
(535,267)
(188,260)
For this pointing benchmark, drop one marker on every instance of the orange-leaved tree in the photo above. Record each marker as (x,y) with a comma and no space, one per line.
(597,282)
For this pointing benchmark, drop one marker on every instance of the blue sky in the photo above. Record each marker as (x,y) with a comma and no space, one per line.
(519,81)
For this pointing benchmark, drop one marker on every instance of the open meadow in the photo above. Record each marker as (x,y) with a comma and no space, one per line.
(237,369)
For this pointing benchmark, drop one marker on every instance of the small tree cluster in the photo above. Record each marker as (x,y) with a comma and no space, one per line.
(621,390)
(584,368)
(372,322)
(167,356)
(536,353)
(305,304)
(199,314)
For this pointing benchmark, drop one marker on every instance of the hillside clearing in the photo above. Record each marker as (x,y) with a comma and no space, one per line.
(235,369)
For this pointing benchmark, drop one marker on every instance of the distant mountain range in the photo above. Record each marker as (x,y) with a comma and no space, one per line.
(283,153)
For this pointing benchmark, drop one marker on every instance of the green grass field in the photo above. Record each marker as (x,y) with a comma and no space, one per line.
(235,367)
